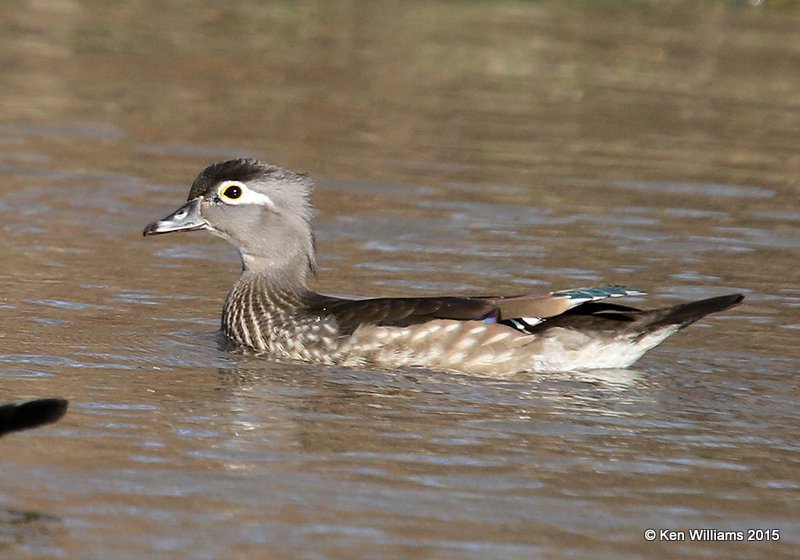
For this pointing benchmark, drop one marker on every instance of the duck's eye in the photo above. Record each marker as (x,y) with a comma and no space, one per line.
(233,192)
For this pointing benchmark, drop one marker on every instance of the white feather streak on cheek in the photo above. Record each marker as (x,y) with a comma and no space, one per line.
(253,197)
(248,196)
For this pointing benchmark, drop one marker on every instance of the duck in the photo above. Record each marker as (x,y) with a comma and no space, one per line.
(265,211)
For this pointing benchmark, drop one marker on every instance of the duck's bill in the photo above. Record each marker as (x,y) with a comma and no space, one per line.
(185,218)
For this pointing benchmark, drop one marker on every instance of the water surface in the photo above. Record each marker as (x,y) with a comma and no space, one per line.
(458,148)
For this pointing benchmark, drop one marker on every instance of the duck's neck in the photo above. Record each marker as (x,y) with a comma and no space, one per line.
(273,317)
(259,309)
(268,289)
(286,274)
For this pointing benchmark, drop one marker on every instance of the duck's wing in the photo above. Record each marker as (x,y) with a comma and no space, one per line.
(520,312)
(401,312)
(525,312)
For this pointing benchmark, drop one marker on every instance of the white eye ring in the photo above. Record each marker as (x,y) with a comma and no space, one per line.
(236,192)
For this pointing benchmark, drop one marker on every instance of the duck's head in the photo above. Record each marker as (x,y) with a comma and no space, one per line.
(262,209)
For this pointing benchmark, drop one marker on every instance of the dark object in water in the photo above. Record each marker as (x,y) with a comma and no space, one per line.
(30,414)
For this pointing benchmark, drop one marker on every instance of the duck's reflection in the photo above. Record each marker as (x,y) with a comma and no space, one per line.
(339,410)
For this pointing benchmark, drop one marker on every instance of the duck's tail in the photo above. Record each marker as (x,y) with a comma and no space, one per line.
(685,314)
(606,335)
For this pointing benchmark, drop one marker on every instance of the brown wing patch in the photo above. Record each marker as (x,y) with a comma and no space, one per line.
(401,312)
(541,306)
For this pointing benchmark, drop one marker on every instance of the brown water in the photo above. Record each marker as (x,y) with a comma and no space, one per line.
(459,147)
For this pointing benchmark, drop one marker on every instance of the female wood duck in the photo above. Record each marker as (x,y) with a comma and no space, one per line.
(265,212)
